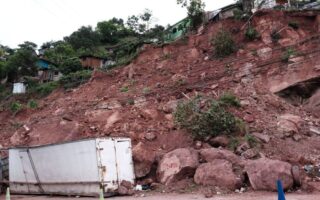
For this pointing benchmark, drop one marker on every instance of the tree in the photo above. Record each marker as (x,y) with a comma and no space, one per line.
(64,56)
(195,10)
(60,52)
(141,23)
(146,18)
(157,32)
(133,23)
(22,62)
(3,70)
(71,65)
(110,31)
(28,46)
(84,37)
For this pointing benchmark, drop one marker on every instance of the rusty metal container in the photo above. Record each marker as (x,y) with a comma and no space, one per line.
(74,168)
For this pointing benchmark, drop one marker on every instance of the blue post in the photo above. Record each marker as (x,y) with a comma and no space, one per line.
(280,191)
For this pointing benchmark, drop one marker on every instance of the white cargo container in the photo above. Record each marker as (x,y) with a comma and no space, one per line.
(73,168)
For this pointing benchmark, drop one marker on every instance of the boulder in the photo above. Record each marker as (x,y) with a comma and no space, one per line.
(315,130)
(211,154)
(250,154)
(217,173)
(143,159)
(313,104)
(265,53)
(177,164)
(150,136)
(263,138)
(126,188)
(289,124)
(170,107)
(264,173)
(111,120)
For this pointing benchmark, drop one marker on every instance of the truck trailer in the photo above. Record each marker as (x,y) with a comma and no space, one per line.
(81,168)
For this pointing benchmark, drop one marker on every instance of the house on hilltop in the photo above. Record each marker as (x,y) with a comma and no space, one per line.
(47,71)
(177,30)
(92,62)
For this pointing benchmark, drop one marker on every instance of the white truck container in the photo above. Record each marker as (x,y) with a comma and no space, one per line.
(74,168)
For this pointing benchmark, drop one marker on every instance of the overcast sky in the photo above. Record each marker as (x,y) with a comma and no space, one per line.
(40,21)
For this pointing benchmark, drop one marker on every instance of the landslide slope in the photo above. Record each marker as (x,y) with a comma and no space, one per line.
(138,100)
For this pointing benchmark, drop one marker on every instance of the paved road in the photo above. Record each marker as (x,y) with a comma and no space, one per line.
(246,196)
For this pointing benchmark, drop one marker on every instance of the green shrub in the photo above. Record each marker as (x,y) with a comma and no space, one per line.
(233,143)
(202,121)
(251,33)
(75,79)
(32,104)
(45,89)
(124,89)
(224,44)
(242,126)
(130,102)
(229,99)
(237,13)
(15,107)
(251,140)
(293,24)
(287,54)
(146,90)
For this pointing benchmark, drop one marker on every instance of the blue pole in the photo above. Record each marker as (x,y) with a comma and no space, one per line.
(280,191)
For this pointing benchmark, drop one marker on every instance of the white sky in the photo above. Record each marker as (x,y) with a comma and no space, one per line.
(40,21)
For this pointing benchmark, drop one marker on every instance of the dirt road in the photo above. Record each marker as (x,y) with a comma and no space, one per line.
(246,196)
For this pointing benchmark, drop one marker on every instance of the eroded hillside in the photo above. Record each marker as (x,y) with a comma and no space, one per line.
(279,98)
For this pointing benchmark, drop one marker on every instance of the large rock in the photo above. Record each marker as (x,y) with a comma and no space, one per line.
(170,106)
(211,154)
(289,124)
(217,173)
(264,173)
(143,160)
(177,164)
(265,53)
(313,104)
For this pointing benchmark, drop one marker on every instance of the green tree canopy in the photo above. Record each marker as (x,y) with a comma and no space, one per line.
(195,10)
(84,37)
(112,30)
(22,62)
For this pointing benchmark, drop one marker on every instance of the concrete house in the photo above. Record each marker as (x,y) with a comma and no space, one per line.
(177,30)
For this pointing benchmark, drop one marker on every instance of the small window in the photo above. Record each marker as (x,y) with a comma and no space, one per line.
(174,30)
